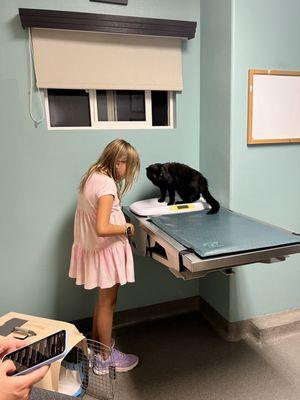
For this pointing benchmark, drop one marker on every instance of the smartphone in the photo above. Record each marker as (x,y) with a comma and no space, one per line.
(37,354)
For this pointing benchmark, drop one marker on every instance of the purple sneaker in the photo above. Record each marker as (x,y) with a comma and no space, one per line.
(101,366)
(124,362)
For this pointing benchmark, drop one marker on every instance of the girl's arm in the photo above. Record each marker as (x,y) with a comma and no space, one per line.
(103,226)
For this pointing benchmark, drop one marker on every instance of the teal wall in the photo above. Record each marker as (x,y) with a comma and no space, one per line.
(215,37)
(264,179)
(40,171)
(260,181)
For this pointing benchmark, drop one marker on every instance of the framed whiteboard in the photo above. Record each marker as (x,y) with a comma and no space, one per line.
(273,106)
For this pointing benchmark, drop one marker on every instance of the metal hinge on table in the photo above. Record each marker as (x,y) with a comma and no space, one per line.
(182,253)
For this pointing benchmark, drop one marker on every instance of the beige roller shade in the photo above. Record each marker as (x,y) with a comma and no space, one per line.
(92,60)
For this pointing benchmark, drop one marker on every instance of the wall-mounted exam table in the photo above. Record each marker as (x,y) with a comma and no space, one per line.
(191,244)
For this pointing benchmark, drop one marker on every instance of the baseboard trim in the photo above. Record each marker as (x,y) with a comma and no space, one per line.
(261,329)
(156,311)
(145,314)
(230,331)
(272,327)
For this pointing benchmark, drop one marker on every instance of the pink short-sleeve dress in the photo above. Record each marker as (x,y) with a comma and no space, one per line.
(99,261)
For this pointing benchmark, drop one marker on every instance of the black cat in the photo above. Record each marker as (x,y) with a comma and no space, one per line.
(187,182)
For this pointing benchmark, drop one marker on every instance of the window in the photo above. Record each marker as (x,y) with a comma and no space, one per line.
(69,108)
(121,105)
(108,109)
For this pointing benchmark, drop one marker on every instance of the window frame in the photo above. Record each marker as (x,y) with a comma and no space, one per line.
(108,125)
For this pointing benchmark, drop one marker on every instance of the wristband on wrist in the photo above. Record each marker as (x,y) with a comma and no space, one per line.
(128,231)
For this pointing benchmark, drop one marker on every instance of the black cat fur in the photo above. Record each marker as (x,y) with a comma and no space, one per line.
(174,177)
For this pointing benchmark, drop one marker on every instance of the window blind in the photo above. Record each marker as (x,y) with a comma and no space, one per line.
(91,60)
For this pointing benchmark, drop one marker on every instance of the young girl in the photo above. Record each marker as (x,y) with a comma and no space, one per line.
(101,254)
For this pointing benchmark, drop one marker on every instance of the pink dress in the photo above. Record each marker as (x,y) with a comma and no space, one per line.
(99,261)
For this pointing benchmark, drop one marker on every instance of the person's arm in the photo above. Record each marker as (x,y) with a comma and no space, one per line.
(103,226)
(16,387)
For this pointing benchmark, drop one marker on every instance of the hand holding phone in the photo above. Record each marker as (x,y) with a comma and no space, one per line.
(18,387)
(8,346)
(39,353)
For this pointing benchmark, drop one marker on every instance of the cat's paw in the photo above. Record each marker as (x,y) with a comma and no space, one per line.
(171,203)
(213,211)
(161,199)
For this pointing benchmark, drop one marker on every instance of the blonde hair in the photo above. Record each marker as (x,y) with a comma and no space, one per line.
(117,150)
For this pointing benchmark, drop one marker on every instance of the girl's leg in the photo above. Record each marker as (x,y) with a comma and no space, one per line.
(103,315)
(95,329)
(102,329)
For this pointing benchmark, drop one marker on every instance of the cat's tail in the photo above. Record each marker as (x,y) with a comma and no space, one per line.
(215,205)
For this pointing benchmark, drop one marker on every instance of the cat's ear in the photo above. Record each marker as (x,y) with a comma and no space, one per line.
(152,167)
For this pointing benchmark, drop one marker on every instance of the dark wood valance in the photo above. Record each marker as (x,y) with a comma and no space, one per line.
(35,18)
(119,2)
